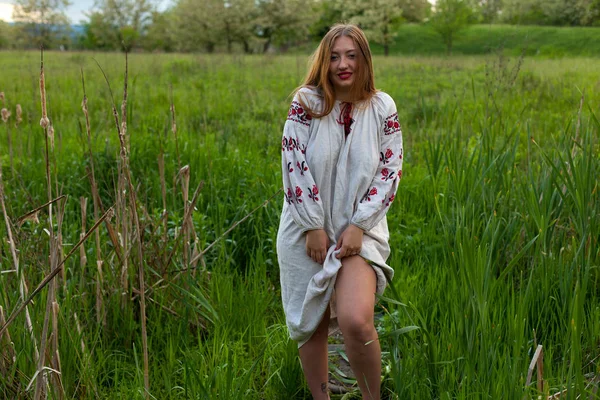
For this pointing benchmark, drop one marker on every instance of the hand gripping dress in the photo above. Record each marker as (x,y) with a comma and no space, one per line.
(337,170)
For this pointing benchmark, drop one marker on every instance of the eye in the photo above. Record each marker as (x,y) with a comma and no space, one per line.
(334,57)
(352,56)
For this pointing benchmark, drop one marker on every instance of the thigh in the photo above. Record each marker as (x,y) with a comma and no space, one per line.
(355,289)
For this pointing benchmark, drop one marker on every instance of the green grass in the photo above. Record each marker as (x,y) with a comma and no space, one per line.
(494,235)
(554,42)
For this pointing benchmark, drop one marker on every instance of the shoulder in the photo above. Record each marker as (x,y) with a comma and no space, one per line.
(309,96)
(385,107)
(305,100)
(383,104)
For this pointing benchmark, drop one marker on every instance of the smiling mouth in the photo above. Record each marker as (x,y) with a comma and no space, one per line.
(345,75)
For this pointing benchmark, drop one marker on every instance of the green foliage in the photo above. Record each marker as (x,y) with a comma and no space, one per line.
(119,24)
(552,12)
(451,17)
(7,36)
(43,22)
(494,233)
(488,39)
(99,33)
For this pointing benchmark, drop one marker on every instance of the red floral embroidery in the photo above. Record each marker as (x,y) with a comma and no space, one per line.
(386,174)
(391,125)
(385,158)
(289,196)
(302,167)
(312,193)
(298,114)
(345,118)
(298,194)
(400,174)
(288,144)
(371,192)
(389,201)
(290,169)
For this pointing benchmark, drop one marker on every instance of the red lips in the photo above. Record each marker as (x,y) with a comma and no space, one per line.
(345,75)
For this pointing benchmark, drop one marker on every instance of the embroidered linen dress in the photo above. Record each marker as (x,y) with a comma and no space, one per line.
(333,179)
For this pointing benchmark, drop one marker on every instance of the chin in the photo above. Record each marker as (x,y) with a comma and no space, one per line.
(345,84)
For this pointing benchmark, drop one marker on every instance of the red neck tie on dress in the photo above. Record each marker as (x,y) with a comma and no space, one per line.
(345,118)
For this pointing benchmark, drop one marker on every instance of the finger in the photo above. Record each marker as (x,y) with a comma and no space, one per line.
(338,245)
(323,256)
(313,256)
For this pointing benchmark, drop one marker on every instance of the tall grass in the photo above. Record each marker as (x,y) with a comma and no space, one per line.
(494,237)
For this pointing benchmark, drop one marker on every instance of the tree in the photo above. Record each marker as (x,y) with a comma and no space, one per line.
(283,22)
(329,13)
(159,34)
(128,19)
(7,35)
(198,26)
(44,22)
(489,10)
(591,12)
(99,33)
(379,19)
(450,17)
(415,10)
(239,19)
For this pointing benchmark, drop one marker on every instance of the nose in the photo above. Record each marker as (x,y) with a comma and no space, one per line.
(343,63)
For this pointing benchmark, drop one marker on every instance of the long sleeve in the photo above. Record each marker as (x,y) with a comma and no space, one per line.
(382,191)
(300,190)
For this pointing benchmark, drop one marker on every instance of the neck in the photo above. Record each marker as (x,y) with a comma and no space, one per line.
(343,96)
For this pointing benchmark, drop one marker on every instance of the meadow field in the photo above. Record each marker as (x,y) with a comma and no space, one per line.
(495,231)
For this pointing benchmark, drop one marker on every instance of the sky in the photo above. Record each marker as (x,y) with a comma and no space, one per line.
(76,11)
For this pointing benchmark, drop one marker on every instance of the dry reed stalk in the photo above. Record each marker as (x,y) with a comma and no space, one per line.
(174,126)
(184,175)
(97,201)
(9,358)
(537,360)
(82,255)
(60,216)
(45,123)
(107,215)
(32,215)
(186,217)
(140,251)
(21,277)
(125,180)
(163,191)
(5,113)
(594,391)
(55,354)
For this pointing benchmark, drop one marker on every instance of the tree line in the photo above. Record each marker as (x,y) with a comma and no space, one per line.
(258,26)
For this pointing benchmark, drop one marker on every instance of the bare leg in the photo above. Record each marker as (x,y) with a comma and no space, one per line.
(313,355)
(355,300)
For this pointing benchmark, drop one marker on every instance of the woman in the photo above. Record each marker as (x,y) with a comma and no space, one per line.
(342,160)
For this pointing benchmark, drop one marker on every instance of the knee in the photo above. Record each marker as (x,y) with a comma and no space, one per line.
(356,326)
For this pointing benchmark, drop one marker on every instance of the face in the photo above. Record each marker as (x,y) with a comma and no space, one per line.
(343,65)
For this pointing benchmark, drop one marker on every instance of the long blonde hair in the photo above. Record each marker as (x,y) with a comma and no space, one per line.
(318,73)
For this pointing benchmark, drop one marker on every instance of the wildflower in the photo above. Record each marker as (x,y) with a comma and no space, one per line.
(19,114)
(5,115)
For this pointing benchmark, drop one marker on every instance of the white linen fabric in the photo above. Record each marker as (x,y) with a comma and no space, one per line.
(332,180)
